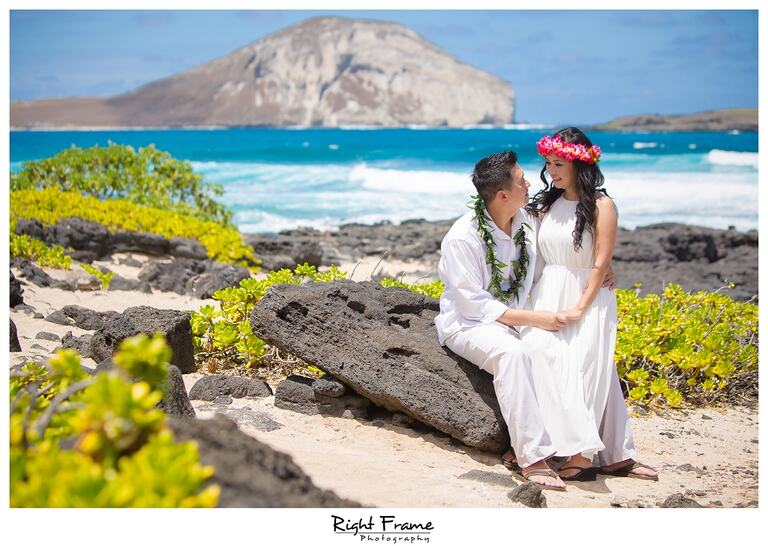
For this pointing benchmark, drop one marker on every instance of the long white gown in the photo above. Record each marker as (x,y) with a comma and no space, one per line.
(576,381)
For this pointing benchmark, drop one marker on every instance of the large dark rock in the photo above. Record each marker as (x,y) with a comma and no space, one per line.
(381,342)
(146,243)
(15,290)
(14,339)
(174,325)
(88,239)
(250,473)
(209,387)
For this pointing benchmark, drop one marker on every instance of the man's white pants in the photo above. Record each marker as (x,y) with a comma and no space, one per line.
(495,349)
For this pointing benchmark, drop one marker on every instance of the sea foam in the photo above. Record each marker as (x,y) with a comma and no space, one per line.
(742,159)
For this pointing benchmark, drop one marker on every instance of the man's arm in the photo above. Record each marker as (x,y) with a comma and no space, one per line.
(459,269)
(538,319)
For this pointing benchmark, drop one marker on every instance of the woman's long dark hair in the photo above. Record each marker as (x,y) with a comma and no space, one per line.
(589,180)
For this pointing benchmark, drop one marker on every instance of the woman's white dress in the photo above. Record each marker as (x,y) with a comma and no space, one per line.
(574,373)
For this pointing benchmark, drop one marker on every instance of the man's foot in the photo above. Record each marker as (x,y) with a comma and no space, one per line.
(631,469)
(543,476)
(578,468)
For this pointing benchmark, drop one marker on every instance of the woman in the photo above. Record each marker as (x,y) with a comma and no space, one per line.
(575,375)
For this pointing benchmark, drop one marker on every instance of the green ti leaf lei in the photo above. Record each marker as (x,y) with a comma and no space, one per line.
(519,267)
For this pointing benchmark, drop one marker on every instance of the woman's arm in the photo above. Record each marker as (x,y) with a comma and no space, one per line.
(605,240)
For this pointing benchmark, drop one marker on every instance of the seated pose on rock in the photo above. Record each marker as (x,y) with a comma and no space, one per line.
(486,263)
(574,373)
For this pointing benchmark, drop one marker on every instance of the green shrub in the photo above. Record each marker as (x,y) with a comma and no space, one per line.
(104,278)
(223,336)
(51,205)
(433,289)
(678,347)
(148,177)
(80,441)
(29,248)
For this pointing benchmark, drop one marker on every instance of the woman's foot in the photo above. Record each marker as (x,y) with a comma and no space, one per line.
(509,460)
(543,476)
(578,468)
(631,469)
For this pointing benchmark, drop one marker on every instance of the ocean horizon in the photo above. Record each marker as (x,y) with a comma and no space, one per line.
(276,179)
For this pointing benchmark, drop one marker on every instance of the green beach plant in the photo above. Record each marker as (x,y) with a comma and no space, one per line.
(50,205)
(223,337)
(677,347)
(35,250)
(100,441)
(149,177)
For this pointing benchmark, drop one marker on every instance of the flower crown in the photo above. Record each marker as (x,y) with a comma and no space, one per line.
(570,150)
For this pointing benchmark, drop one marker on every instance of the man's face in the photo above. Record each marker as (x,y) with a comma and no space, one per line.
(517,194)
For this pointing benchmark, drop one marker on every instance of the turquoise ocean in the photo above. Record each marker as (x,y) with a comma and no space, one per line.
(277,179)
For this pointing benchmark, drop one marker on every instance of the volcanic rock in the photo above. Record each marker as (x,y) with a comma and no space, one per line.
(381,342)
(174,325)
(15,346)
(209,387)
(15,291)
(250,473)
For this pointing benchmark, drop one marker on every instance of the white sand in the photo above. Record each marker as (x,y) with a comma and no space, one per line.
(392,466)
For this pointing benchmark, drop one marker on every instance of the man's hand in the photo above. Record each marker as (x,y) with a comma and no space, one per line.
(610,279)
(547,320)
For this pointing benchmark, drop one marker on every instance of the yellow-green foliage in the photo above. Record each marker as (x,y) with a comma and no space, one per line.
(433,289)
(678,346)
(104,278)
(80,441)
(51,205)
(148,177)
(224,335)
(674,348)
(24,246)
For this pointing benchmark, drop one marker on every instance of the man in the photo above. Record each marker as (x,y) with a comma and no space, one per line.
(475,323)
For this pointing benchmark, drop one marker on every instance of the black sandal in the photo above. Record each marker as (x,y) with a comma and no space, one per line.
(626,472)
(585,474)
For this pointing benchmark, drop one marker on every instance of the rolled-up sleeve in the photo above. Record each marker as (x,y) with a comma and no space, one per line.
(461,269)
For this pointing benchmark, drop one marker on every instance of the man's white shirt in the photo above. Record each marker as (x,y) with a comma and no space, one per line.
(466,301)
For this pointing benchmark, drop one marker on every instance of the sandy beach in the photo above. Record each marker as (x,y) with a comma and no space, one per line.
(709,455)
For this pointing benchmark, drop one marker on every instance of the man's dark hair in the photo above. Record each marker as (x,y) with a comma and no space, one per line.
(493,173)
